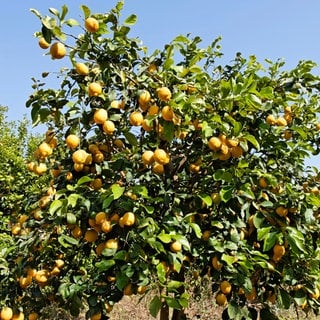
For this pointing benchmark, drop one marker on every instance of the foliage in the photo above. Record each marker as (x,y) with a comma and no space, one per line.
(227,195)
(17,186)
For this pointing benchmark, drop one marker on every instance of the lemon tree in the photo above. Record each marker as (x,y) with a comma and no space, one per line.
(164,163)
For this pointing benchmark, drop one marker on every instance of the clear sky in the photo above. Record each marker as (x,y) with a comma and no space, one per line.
(267,28)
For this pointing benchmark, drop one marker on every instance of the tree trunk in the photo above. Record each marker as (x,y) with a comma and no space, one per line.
(178,315)
(164,312)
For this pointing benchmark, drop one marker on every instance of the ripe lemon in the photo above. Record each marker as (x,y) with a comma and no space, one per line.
(100,217)
(80,156)
(41,276)
(94,89)
(43,44)
(59,263)
(58,50)
(128,219)
(116,104)
(72,141)
(206,235)
(136,118)
(91,235)
(282,211)
(18,316)
(271,120)
(152,68)
(279,250)
(40,168)
(96,316)
(214,143)
(108,127)
(145,126)
(287,134)
(91,24)
(76,232)
(44,150)
(236,152)
(106,226)
(176,246)
(141,289)
(127,290)
(161,156)
(158,168)
(33,316)
(100,116)
(147,157)
(82,69)
(112,244)
(225,287)
(263,183)
(144,98)
(221,299)
(281,122)
(153,110)
(194,168)
(167,113)
(251,295)
(217,265)
(164,94)
(108,307)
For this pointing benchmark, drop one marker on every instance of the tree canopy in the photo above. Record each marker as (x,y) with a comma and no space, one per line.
(165,163)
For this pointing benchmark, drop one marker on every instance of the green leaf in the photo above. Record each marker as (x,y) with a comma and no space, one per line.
(284,299)
(73,199)
(105,265)
(263,232)
(83,180)
(67,241)
(131,138)
(233,309)
(226,193)
(172,303)
(206,199)
(71,22)
(64,11)
(252,140)
(36,12)
(131,20)
(164,237)
(266,93)
(161,272)
(269,241)
(54,11)
(173,285)
(86,11)
(117,191)
(168,129)
(55,206)
(155,306)
(107,202)
(197,230)
(295,239)
(71,218)
(229,259)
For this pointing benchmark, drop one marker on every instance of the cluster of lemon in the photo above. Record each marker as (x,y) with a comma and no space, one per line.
(225,147)
(44,150)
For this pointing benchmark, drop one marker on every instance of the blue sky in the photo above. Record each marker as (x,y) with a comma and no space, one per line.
(269,29)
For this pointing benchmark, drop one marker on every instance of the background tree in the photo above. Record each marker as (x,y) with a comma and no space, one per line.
(166,163)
